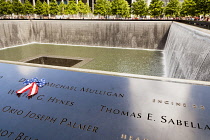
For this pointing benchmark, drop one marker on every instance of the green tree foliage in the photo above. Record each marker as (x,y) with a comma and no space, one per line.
(54,7)
(3,7)
(208,5)
(139,8)
(102,7)
(83,8)
(9,7)
(39,10)
(87,9)
(173,8)
(6,7)
(156,8)
(121,8)
(18,7)
(28,8)
(71,7)
(61,8)
(202,7)
(188,8)
(46,8)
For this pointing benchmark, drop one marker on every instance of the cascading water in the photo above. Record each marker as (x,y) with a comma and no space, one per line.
(186,49)
(144,34)
(187,52)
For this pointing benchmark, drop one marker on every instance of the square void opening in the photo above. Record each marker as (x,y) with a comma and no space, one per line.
(54,61)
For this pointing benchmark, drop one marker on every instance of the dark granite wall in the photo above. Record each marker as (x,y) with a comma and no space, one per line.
(144,34)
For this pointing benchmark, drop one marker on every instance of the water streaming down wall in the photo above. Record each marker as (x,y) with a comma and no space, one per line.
(144,34)
(14,33)
(187,52)
(186,49)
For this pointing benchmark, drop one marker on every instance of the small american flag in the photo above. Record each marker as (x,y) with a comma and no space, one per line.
(32,85)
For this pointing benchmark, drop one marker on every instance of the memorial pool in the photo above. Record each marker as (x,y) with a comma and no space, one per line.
(122,60)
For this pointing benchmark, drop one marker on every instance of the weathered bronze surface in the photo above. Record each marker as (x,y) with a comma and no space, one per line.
(81,106)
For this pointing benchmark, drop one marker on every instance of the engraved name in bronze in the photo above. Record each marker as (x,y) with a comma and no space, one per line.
(178,104)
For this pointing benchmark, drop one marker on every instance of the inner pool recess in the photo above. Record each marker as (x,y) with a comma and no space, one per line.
(131,61)
(54,61)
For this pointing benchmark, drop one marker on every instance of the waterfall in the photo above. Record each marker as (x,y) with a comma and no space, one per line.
(187,52)
(129,34)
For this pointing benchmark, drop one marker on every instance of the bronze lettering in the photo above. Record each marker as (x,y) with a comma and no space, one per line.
(95,129)
(42,116)
(32,115)
(108,110)
(67,123)
(57,86)
(115,94)
(11,110)
(62,86)
(120,112)
(139,115)
(89,128)
(5,133)
(179,122)
(109,93)
(202,107)
(6,108)
(74,125)
(27,114)
(186,124)
(53,120)
(192,125)
(11,91)
(22,80)
(63,120)
(207,127)
(133,115)
(102,107)
(123,136)
(124,113)
(131,138)
(121,95)
(194,106)
(59,101)
(199,126)
(149,116)
(116,111)
(166,102)
(47,118)
(20,135)
(171,121)
(164,119)
(82,127)
(40,97)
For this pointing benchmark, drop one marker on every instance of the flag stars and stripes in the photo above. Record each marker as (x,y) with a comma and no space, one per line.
(32,85)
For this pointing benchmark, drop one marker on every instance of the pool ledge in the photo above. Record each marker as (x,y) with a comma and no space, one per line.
(175,80)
